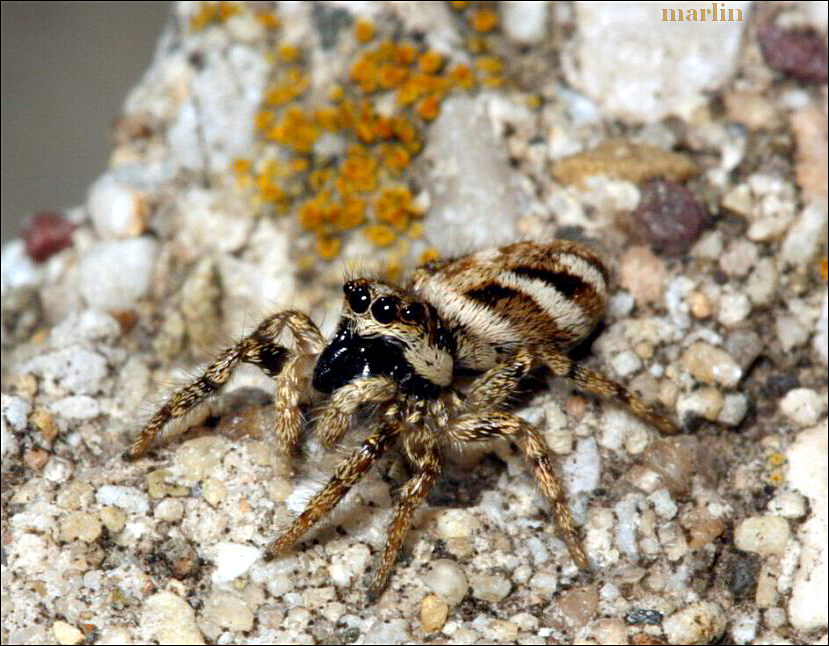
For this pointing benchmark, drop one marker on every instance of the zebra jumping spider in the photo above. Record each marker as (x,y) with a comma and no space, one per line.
(496,314)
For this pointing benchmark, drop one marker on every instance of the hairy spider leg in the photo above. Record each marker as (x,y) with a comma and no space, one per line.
(489,426)
(421,449)
(347,474)
(596,383)
(258,348)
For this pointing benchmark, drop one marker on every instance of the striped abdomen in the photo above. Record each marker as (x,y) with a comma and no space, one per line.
(497,300)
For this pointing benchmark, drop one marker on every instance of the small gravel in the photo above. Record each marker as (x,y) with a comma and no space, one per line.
(700,623)
(764,535)
(447,578)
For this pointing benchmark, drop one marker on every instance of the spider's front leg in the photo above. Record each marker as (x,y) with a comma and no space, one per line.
(258,348)
(348,473)
(481,427)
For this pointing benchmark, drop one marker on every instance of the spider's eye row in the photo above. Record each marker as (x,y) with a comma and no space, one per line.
(414,312)
(384,309)
(358,297)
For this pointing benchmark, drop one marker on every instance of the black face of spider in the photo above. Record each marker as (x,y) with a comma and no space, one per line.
(384,331)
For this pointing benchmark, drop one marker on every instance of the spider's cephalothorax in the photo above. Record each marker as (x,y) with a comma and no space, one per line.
(384,332)
(497,313)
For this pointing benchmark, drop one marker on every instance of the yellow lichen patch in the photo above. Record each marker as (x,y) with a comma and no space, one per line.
(430,62)
(395,157)
(428,255)
(358,172)
(363,31)
(294,129)
(461,77)
(489,70)
(393,207)
(428,108)
(390,76)
(263,119)
(213,12)
(289,53)
(405,53)
(268,19)
(292,86)
(327,248)
(379,234)
(484,20)
(352,213)
(623,159)
(241,166)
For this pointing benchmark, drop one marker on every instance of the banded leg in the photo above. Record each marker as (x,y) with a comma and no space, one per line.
(427,462)
(496,385)
(346,476)
(259,348)
(596,383)
(335,416)
(291,384)
(488,426)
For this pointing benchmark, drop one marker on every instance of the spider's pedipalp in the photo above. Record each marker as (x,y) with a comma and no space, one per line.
(348,473)
(335,416)
(488,426)
(596,383)
(258,348)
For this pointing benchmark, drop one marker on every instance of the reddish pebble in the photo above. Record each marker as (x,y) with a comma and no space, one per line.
(45,234)
(669,217)
(799,53)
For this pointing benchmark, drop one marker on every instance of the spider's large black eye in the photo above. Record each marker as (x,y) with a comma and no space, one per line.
(358,297)
(414,312)
(384,310)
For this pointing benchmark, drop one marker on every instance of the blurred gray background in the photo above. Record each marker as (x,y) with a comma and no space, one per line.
(66,70)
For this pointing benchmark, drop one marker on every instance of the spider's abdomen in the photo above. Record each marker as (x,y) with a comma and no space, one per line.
(523,294)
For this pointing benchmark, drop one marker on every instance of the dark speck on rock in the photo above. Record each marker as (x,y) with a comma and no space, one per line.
(669,217)
(643,616)
(743,569)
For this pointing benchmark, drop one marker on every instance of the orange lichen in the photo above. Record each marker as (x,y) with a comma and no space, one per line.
(390,76)
(428,108)
(337,191)
(211,12)
(395,157)
(379,234)
(428,255)
(352,213)
(823,268)
(405,53)
(289,53)
(327,248)
(430,62)
(393,207)
(241,166)
(292,86)
(294,130)
(462,77)
(268,20)
(484,20)
(363,31)
(459,5)
(358,172)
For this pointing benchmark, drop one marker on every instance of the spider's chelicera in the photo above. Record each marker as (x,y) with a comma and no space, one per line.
(496,314)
